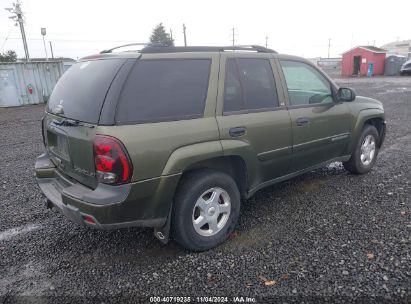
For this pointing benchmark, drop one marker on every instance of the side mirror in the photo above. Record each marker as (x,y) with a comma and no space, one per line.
(346,94)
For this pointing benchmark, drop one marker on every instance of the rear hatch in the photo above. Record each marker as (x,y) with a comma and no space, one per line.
(72,115)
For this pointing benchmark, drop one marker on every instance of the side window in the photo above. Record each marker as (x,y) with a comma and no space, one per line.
(249,85)
(305,84)
(164,90)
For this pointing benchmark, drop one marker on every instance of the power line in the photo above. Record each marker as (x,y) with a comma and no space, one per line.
(73,40)
(7,37)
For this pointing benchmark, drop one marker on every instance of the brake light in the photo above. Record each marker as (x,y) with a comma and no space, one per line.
(113,165)
(89,219)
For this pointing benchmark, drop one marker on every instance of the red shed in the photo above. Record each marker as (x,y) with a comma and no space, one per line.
(360,59)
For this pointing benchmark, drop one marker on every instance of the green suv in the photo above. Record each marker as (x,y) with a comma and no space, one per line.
(175,138)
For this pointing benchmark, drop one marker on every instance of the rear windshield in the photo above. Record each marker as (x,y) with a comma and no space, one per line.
(80,92)
(164,90)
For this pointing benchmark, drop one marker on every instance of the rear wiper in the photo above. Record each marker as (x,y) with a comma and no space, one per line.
(66,122)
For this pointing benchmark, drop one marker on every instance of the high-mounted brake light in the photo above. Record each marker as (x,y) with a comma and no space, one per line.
(113,165)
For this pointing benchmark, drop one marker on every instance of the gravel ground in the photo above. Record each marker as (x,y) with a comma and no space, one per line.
(325,236)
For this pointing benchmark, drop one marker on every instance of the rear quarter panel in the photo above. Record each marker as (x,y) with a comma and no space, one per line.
(150,146)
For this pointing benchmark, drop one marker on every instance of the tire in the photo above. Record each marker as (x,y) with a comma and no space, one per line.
(194,205)
(363,159)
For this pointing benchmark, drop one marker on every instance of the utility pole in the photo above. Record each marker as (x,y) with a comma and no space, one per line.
(51,50)
(329,46)
(16,9)
(171,34)
(266,41)
(43,33)
(233,39)
(184,32)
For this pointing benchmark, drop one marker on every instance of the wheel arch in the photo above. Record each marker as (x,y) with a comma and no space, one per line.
(374,117)
(232,165)
(379,124)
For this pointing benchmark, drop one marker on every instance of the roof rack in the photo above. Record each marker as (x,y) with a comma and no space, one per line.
(253,47)
(124,45)
(178,49)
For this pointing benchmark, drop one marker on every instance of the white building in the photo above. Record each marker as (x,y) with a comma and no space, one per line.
(402,48)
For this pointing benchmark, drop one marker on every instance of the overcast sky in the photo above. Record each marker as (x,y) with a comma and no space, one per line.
(78,28)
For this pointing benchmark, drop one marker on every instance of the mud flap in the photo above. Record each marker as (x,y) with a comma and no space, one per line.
(47,203)
(163,233)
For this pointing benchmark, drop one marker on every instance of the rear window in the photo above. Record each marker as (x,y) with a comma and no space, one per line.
(81,90)
(164,90)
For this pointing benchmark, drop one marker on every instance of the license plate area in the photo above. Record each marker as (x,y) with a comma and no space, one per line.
(58,145)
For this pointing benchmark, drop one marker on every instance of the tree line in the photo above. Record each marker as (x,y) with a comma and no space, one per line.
(9,56)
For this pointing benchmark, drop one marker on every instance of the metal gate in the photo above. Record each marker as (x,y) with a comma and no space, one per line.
(9,96)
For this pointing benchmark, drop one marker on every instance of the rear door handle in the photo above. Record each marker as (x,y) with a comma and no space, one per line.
(237,131)
(302,121)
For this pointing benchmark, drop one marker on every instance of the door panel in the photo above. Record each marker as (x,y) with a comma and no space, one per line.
(260,131)
(323,137)
(267,140)
(320,125)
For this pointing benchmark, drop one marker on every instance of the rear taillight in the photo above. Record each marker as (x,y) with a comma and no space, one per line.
(113,165)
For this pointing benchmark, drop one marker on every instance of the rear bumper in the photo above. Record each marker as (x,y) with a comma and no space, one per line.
(143,204)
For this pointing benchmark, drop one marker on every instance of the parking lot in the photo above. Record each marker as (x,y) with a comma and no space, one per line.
(325,235)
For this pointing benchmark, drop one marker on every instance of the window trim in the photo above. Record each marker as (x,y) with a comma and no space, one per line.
(245,110)
(168,118)
(241,85)
(333,87)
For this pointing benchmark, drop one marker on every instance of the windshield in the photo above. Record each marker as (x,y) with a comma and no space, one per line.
(80,92)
